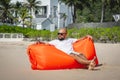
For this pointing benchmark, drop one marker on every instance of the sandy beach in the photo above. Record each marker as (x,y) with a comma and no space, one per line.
(15,65)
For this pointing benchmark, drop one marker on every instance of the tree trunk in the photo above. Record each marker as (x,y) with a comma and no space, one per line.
(73,12)
(74,19)
(63,22)
(102,12)
(32,16)
(23,23)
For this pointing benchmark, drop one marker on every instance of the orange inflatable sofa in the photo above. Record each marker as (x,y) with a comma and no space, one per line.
(47,57)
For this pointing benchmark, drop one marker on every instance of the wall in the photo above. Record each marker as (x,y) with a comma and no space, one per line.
(105,24)
(11,37)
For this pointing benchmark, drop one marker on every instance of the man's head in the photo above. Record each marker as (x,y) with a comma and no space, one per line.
(62,33)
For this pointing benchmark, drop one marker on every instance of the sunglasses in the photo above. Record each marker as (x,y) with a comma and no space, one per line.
(61,33)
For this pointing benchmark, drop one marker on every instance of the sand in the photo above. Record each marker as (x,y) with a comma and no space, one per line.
(15,65)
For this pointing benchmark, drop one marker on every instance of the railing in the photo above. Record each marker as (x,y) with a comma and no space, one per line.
(11,37)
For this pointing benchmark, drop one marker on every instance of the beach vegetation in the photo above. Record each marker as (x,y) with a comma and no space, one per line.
(100,34)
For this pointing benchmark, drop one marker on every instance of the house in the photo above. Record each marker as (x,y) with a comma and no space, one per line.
(51,13)
(42,23)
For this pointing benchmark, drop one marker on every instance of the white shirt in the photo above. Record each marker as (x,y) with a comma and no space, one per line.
(64,45)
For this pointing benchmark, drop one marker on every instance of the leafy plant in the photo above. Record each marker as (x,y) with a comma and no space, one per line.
(108,34)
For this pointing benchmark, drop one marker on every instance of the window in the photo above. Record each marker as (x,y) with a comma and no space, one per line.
(41,12)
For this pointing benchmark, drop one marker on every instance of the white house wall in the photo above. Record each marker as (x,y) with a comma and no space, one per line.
(38,26)
(49,4)
(46,3)
(62,8)
(54,3)
(69,14)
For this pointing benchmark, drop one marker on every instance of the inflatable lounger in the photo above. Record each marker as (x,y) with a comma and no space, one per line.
(47,57)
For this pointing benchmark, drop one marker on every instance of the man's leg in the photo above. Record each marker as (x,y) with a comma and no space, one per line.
(82,56)
(83,60)
(80,59)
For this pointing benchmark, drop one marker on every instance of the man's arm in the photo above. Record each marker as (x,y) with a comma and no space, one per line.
(87,36)
(41,42)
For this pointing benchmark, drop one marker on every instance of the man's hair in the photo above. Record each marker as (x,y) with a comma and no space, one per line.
(63,29)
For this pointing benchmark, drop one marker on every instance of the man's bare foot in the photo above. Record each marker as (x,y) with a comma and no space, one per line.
(92,64)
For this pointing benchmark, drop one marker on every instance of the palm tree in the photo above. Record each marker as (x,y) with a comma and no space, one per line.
(76,5)
(73,5)
(23,13)
(33,6)
(17,6)
(6,8)
(64,17)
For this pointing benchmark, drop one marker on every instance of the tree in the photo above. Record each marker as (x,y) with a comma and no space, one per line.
(17,6)
(33,6)
(23,13)
(115,6)
(111,3)
(73,5)
(6,8)
(100,10)
(76,5)
(64,16)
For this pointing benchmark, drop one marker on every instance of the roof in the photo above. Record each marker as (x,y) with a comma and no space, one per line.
(40,20)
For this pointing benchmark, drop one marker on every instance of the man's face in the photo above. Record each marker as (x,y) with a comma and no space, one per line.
(62,34)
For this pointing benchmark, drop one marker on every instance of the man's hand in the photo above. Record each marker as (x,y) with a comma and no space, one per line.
(39,42)
(89,36)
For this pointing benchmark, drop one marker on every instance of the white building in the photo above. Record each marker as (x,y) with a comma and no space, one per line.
(50,15)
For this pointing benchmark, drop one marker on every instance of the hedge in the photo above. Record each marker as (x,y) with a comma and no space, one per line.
(108,34)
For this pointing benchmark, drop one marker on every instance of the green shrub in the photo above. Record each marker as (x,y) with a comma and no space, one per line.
(108,34)
(27,32)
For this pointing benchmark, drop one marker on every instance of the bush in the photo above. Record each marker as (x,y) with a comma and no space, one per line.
(27,32)
(99,34)
(109,34)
